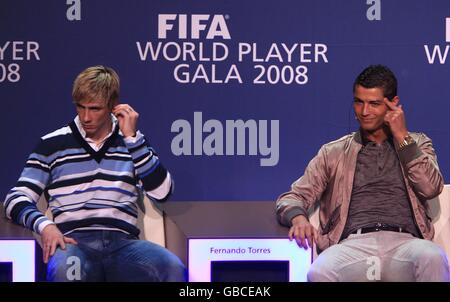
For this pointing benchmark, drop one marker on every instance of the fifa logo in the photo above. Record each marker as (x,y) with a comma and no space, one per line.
(192,26)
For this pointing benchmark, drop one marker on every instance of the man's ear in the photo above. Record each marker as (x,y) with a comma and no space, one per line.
(113,104)
(395,100)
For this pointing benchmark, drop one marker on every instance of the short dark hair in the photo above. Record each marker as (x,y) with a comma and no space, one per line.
(378,76)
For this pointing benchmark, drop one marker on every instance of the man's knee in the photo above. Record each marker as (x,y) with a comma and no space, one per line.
(66,265)
(431,262)
(319,273)
(175,271)
(433,255)
(162,265)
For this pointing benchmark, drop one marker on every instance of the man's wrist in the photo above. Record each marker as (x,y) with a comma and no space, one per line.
(133,139)
(130,135)
(400,136)
(405,141)
(299,219)
(45,224)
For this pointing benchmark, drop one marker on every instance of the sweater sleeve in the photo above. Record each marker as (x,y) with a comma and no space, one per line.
(20,202)
(156,180)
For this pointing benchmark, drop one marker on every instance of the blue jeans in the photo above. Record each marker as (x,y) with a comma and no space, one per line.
(103,256)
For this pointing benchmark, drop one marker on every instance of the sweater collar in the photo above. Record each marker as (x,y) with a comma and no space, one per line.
(80,136)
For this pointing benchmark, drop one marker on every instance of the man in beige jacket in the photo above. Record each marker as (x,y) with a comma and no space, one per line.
(372,187)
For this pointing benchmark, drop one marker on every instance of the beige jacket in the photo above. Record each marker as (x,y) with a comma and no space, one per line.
(328,180)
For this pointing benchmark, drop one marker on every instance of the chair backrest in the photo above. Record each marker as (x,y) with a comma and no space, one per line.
(439,213)
(151,223)
(314,220)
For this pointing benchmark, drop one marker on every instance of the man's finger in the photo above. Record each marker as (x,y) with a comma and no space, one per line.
(291,233)
(297,237)
(61,243)
(127,108)
(53,248)
(299,241)
(316,235)
(388,117)
(390,104)
(122,111)
(309,238)
(46,252)
(70,240)
(121,105)
(301,237)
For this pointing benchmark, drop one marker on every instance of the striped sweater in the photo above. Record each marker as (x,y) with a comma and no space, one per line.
(84,188)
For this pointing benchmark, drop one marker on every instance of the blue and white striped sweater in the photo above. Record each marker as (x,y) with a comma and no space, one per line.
(84,189)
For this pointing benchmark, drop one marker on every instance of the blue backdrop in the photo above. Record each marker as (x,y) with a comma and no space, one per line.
(236,96)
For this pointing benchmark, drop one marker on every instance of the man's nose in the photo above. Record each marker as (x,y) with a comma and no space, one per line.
(86,116)
(365,109)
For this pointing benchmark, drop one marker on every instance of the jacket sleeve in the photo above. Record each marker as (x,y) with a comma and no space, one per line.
(305,191)
(421,168)
(155,179)
(20,202)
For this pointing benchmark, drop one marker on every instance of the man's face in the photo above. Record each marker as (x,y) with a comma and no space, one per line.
(95,118)
(370,108)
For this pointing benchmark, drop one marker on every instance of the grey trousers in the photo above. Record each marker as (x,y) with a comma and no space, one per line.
(381,256)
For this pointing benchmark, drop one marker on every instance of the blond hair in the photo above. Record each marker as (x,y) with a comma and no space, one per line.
(97,83)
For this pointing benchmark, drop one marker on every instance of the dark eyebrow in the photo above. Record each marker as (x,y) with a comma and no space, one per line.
(89,107)
(371,101)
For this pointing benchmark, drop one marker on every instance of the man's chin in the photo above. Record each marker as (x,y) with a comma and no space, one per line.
(370,129)
(89,130)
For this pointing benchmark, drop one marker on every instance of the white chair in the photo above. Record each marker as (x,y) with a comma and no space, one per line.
(439,212)
(151,223)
